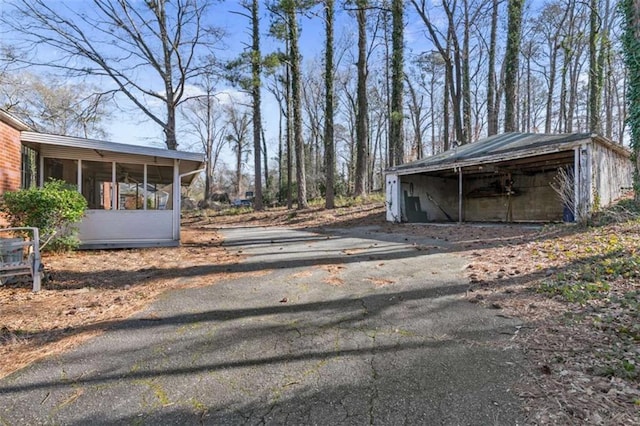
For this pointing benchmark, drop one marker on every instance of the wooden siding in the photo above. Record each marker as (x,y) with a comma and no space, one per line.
(612,175)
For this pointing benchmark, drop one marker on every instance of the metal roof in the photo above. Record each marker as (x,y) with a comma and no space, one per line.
(69,141)
(504,147)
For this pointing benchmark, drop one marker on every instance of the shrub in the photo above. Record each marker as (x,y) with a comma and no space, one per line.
(53,209)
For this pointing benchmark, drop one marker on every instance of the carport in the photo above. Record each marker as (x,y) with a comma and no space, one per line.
(511,178)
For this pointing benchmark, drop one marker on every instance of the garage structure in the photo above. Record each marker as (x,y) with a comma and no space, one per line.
(511,178)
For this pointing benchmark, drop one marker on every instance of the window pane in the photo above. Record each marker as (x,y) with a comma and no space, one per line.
(29,167)
(96,184)
(159,187)
(66,170)
(130,180)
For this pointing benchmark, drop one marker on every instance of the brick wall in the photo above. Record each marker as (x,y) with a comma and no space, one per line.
(10,158)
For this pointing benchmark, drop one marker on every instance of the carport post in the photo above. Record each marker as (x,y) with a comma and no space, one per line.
(460,195)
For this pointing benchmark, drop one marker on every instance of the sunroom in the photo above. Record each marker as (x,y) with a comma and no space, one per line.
(133,192)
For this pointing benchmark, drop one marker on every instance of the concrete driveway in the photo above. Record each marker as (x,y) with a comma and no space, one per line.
(356,327)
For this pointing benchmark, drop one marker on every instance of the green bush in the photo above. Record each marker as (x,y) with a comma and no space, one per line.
(53,209)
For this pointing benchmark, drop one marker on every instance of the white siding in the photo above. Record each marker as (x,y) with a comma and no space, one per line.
(118,227)
(393,198)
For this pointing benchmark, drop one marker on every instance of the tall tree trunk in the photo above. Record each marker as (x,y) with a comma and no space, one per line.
(362,121)
(296,89)
(603,61)
(466,78)
(554,48)
(387,85)
(594,85)
(445,109)
(562,113)
(256,62)
(608,98)
(512,56)
(631,49)
(280,154)
(289,101)
(551,88)
(415,108)
(329,145)
(397,79)
(492,115)
(455,76)
(432,101)
(265,160)
(168,51)
(239,169)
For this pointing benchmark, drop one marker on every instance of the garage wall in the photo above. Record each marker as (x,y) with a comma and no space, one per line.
(443,193)
(612,173)
(535,199)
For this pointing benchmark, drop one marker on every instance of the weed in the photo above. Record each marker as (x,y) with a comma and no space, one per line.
(622,368)
(235,211)
(575,291)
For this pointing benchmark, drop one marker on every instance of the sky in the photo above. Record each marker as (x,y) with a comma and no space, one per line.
(236,27)
(129,125)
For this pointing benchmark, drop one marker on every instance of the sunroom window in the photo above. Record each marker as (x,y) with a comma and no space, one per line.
(130,180)
(61,169)
(116,186)
(159,187)
(97,184)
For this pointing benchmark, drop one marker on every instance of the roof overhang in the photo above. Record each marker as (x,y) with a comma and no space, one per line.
(189,161)
(506,156)
(489,159)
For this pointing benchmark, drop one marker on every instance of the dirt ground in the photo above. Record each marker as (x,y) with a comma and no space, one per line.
(584,354)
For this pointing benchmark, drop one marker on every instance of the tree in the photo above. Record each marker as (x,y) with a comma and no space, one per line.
(492,99)
(54,106)
(149,43)
(362,118)
(511,60)
(238,121)
(329,144)
(549,25)
(256,85)
(277,71)
(451,53)
(396,142)
(289,7)
(595,76)
(599,47)
(203,118)
(631,48)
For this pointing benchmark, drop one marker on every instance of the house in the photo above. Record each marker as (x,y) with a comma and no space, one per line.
(133,192)
(511,178)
